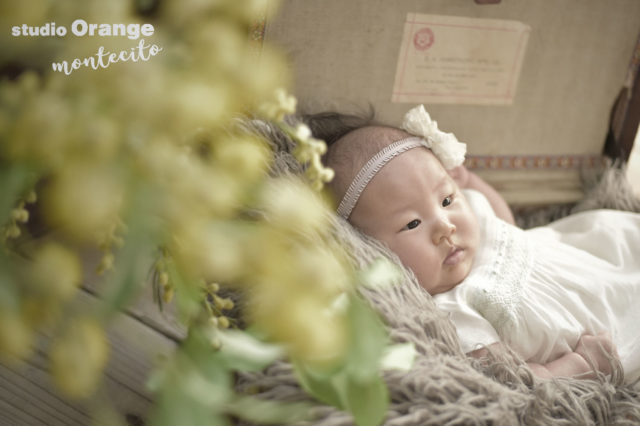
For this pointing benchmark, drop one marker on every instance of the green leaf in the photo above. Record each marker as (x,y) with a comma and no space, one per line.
(267,412)
(207,391)
(175,407)
(188,295)
(399,357)
(14,180)
(381,273)
(355,385)
(9,297)
(242,351)
(133,261)
(368,340)
(196,354)
(366,400)
(319,386)
(199,376)
(157,379)
(132,266)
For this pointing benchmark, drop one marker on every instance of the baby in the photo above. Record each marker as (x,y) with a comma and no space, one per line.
(557,295)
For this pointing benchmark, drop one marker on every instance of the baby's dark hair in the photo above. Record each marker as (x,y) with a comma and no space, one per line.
(352,140)
(330,126)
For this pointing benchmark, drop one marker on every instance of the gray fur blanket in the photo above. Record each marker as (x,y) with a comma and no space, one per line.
(444,386)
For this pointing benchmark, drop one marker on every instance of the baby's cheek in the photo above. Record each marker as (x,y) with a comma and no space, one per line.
(474,238)
(424,265)
(411,252)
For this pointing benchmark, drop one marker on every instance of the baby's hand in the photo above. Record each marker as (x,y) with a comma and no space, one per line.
(597,350)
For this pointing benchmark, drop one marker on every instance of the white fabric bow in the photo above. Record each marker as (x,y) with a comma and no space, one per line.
(445,146)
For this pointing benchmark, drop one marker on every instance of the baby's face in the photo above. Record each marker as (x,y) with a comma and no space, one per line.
(416,208)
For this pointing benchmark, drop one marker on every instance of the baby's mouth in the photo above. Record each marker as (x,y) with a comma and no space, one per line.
(455,255)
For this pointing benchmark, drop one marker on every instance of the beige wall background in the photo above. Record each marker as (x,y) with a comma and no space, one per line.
(344,54)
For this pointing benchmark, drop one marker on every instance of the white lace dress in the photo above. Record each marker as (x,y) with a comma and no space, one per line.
(539,290)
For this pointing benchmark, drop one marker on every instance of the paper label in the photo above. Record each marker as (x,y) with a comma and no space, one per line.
(457,60)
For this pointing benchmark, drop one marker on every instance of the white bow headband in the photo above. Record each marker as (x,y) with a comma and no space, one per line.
(417,121)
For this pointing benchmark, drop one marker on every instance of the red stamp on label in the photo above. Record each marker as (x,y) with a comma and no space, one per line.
(423,38)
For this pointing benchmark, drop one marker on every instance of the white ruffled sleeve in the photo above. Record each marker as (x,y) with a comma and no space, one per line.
(473,330)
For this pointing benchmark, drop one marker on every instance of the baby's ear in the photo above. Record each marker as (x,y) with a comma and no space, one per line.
(460,175)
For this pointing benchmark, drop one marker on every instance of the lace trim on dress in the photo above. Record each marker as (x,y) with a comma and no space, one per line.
(498,294)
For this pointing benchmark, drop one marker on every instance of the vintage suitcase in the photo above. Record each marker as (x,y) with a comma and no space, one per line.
(529,85)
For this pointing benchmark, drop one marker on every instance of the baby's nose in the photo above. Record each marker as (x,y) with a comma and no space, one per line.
(442,230)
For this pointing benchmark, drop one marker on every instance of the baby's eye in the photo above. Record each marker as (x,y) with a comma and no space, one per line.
(413,224)
(447,200)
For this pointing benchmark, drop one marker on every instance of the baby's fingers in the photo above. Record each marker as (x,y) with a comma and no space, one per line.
(598,350)
(604,339)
